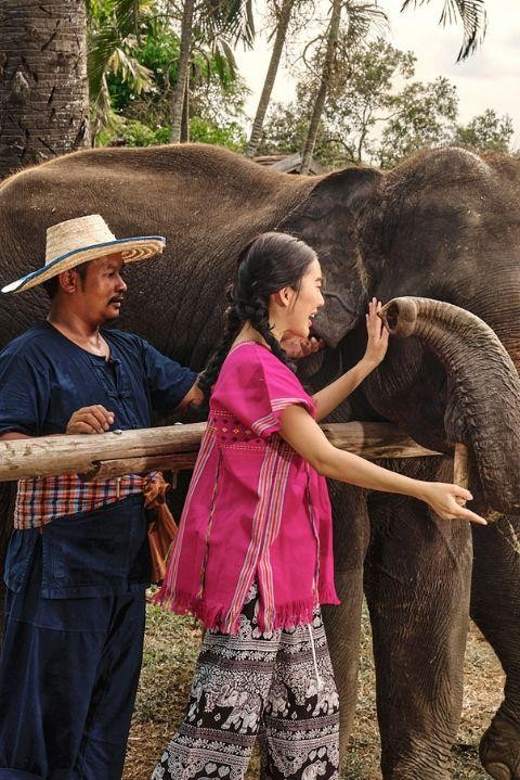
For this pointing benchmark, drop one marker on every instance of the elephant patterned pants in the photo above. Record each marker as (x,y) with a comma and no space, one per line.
(278,686)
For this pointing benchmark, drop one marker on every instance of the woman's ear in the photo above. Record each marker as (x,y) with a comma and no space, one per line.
(282,297)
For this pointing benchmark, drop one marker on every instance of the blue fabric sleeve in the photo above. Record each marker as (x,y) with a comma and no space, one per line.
(24,394)
(168,381)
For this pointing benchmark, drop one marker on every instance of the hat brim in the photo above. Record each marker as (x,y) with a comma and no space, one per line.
(131,249)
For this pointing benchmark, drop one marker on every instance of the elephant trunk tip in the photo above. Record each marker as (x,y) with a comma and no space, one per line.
(400,316)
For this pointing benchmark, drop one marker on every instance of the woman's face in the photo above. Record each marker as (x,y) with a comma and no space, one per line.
(304,303)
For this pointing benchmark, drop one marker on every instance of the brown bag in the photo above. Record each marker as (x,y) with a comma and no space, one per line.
(162,528)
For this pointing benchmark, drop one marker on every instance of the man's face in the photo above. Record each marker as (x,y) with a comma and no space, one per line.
(101,292)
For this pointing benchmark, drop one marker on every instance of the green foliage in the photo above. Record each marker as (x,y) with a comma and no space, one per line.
(137,79)
(231,135)
(424,117)
(286,129)
(132,132)
(363,96)
(376,112)
(113,27)
(156,49)
(486,131)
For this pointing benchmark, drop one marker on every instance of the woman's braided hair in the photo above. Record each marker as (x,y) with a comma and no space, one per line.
(266,265)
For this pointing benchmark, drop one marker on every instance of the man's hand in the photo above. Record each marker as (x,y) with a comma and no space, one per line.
(192,400)
(297,348)
(90,419)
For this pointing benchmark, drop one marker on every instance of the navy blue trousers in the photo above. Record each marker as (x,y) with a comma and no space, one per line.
(69,671)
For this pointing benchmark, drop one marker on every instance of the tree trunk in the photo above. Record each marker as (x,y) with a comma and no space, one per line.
(185,124)
(319,104)
(265,97)
(44,109)
(182,72)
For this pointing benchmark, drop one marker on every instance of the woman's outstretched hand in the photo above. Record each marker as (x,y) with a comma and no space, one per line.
(377,334)
(443,497)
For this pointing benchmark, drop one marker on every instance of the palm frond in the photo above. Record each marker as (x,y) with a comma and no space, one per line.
(231,18)
(130,69)
(472,14)
(365,19)
(229,56)
(103,116)
(104,41)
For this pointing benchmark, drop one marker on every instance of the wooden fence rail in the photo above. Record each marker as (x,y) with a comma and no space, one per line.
(170,447)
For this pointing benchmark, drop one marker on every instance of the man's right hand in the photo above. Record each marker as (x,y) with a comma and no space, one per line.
(90,419)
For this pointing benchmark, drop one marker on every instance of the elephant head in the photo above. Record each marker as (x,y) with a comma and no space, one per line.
(326,220)
(445,225)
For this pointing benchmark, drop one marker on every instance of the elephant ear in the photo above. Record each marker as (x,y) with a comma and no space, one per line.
(329,220)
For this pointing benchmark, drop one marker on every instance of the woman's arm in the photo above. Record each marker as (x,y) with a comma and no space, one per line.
(305,436)
(331,396)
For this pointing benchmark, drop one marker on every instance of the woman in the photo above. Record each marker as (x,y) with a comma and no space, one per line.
(254,554)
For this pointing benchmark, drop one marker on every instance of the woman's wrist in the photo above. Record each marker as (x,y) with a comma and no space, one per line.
(421,490)
(368,363)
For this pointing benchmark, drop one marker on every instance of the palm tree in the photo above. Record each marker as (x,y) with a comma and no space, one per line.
(326,75)
(181,90)
(218,22)
(361,18)
(282,26)
(112,29)
(43,81)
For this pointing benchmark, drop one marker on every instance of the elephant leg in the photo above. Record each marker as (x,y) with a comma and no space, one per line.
(417,583)
(343,622)
(495,608)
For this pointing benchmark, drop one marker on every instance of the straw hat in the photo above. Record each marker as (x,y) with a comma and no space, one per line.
(76,241)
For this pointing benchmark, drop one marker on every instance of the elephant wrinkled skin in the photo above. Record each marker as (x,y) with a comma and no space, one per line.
(444,226)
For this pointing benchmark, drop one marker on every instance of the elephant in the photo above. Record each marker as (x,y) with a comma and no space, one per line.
(246,709)
(443,227)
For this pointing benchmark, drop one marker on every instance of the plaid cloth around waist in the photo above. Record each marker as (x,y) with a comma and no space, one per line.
(41,500)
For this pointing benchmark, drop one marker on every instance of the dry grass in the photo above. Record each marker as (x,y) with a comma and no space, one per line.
(170,653)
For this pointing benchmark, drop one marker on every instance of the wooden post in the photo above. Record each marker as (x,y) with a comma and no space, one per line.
(170,447)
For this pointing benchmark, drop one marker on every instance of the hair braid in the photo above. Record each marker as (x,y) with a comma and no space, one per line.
(258,315)
(233,325)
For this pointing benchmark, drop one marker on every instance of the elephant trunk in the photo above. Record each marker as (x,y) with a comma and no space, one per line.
(484,383)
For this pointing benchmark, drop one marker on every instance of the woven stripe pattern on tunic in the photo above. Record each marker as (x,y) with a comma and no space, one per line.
(266,524)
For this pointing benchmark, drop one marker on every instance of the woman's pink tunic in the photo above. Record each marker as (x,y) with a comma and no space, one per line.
(255,509)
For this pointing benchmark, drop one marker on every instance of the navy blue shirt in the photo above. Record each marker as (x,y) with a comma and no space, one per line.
(44,379)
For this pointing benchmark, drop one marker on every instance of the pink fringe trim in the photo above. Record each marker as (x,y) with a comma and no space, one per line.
(291,615)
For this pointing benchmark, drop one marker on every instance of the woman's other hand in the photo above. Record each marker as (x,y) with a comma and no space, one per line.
(443,497)
(377,334)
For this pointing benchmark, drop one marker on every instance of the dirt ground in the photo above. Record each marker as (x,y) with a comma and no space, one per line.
(170,653)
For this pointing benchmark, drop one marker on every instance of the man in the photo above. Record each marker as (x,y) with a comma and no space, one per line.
(78,562)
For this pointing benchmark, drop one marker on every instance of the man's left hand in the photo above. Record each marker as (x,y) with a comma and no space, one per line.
(297,348)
